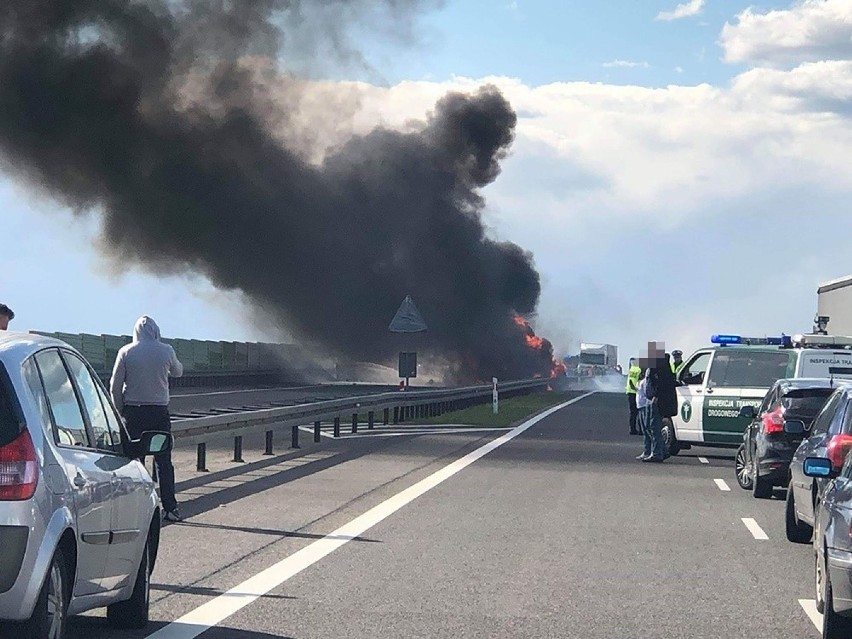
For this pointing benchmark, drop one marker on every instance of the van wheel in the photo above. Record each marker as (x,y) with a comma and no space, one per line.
(133,613)
(669,437)
(797,532)
(742,469)
(834,626)
(50,615)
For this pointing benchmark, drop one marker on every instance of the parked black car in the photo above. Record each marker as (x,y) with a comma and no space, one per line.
(763,460)
(833,546)
(830,436)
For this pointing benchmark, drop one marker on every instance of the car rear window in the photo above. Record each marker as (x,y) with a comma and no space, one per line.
(805,403)
(819,363)
(733,368)
(10,411)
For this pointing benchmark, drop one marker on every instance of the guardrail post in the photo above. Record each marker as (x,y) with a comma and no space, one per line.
(371,420)
(294,436)
(337,426)
(238,448)
(396,414)
(354,422)
(386,416)
(269,436)
(317,432)
(201,458)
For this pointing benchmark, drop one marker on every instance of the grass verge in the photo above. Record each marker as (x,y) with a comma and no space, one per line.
(512,411)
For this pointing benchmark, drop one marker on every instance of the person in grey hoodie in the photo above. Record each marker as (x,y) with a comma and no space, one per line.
(140,391)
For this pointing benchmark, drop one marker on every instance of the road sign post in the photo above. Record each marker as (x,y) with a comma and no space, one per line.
(495,400)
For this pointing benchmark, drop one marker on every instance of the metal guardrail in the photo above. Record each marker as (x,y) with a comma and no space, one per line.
(395,407)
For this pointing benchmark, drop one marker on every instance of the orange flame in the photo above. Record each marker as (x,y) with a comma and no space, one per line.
(535,342)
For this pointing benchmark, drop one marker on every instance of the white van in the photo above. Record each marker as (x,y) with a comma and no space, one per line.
(715,383)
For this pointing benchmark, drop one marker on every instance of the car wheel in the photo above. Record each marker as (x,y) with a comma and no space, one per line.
(760,487)
(834,626)
(797,532)
(50,615)
(742,469)
(133,613)
(669,437)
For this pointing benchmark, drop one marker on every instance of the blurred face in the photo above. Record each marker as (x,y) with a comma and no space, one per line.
(4,322)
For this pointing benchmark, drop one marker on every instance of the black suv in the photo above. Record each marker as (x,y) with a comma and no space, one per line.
(763,460)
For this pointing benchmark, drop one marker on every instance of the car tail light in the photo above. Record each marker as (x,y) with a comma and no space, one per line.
(18,469)
(838,446)
(774,422)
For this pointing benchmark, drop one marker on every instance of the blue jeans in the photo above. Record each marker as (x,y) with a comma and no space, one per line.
(652,425)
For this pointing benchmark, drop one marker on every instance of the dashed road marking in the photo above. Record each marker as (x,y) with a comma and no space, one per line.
(755,529)
(704,460)
(722,485)
(809,605)
(215,611)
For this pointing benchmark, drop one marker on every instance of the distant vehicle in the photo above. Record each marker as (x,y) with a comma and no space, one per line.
(833,546)
(79,515)
(597,359)
(830,437)
(714,383)
(770,440)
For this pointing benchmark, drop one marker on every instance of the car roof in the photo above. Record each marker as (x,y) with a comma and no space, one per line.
(794,383)
(16,347)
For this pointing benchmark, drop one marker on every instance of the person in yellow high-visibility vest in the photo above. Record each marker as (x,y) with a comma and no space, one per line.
(677,361)
(634,373)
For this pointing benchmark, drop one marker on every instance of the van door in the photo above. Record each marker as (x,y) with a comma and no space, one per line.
(739,377)
(691,379)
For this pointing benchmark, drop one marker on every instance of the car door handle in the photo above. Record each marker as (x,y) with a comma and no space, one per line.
(80,481)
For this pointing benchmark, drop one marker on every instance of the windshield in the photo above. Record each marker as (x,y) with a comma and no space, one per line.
(10,421)
(748,369)
(805,403)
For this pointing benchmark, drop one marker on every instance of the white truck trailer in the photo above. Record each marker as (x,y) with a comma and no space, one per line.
(597,359)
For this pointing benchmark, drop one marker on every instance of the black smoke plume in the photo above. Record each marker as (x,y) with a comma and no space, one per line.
(94,111)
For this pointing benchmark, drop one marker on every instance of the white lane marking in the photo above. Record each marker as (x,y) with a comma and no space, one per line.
(220,608)
(704,460)
(810,608)
(722,485)
(754,528)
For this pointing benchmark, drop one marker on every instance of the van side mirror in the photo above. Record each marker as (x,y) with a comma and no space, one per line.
(819,467)
(748,412)
(795,427)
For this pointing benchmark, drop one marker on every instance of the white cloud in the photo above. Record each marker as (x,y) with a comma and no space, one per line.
(684,10)
(626,64)
(678,69)
(809,30)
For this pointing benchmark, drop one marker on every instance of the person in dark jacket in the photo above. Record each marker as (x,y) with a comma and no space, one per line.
(662,401)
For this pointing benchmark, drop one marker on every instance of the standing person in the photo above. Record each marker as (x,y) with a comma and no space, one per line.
(642,406)
(140,390)
(677,361)
(662,399)
(6,316)
(633,375)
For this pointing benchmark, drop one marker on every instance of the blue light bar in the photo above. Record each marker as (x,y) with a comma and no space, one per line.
(725,339)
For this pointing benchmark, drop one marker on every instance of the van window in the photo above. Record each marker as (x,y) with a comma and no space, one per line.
(817,363)
(733,368)
(692,374)
(10,418)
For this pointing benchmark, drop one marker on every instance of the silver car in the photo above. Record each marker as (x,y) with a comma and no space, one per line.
(79,514)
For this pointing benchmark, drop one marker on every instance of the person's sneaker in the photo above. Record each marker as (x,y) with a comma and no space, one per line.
(641,457)
(653,460)
(173,516)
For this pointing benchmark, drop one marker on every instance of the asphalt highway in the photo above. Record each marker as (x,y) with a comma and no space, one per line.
(556,531)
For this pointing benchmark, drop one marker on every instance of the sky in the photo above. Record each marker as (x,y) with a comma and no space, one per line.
(679,170)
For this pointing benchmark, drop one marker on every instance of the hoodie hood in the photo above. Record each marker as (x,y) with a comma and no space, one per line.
(146,329)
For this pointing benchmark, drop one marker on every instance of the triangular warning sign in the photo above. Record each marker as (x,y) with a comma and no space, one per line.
(407,319)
